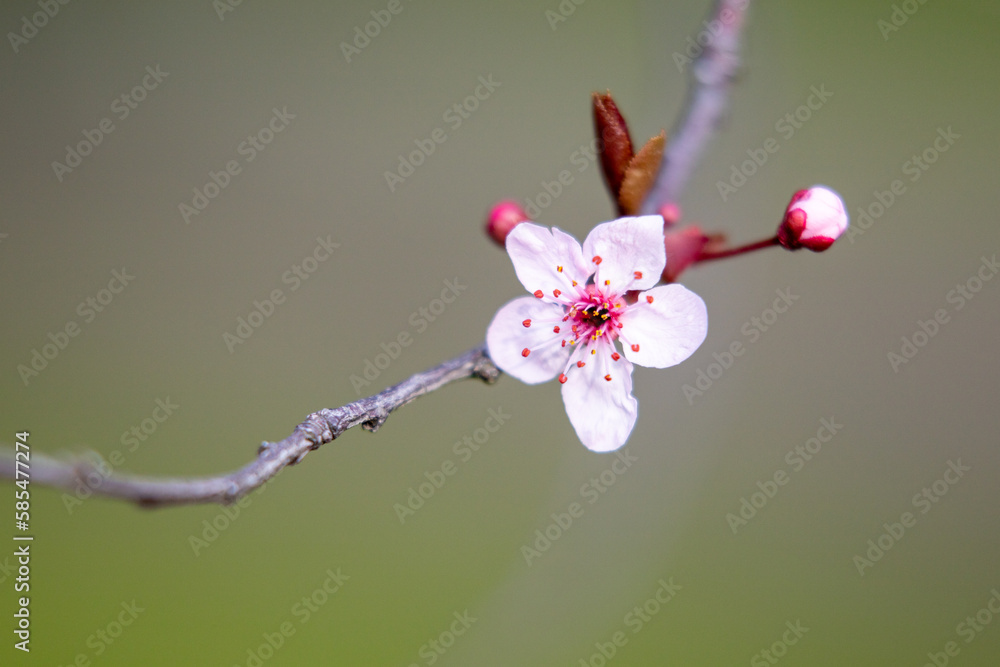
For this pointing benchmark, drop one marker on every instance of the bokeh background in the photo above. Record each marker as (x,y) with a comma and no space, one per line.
(212,587)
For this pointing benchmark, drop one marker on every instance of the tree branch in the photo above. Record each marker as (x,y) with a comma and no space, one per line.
(318,429)
(713,74)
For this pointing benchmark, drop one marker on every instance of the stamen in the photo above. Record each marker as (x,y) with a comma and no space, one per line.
(580,364)
(556,293)
(616,356)
(574,283)
(607,282)
(525,352)
(608,377)
(635,347)
(556,329)
(638,275)
(526,323)
(539,293)
(597,259)
(562,378)
(563,343)
(593,351)
(649,299)
(559,269)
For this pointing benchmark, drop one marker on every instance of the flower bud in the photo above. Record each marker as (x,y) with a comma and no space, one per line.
(502,219)
(814,219)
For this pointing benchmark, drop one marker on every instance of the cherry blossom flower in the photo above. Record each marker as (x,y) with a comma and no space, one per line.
(814,219)
(580,307)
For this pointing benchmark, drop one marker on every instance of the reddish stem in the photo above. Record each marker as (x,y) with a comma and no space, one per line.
(732,252)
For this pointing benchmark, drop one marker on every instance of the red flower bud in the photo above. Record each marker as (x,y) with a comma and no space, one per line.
(814,219)
(503,217)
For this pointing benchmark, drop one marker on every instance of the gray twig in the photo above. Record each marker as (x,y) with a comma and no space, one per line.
(713,74)
(318,429)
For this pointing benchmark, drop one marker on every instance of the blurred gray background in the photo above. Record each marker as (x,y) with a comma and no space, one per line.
(221,588)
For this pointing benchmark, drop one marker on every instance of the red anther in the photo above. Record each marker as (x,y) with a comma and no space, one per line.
(526,323)
(539,293)
(580,364)
(597,259)
(556,293)
(638,275)
(564,343)
(525,352)
(649,299)
(608,377)
(562,378)
(616,356)
(555,330)
(635,348)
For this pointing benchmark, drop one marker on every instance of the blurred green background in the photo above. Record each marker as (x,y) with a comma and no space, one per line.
(217,601)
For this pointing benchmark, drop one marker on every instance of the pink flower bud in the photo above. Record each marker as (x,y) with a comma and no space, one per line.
(503,218)
(671,214)
(814,219)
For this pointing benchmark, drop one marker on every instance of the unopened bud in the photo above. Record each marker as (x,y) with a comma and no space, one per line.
(614,140)
(814,219)
(503,217)
(671,214)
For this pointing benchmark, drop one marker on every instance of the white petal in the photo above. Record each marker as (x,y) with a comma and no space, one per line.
(602,412)
(668,330)
(627,247)
(826,216)
(537,252)
(507,338)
